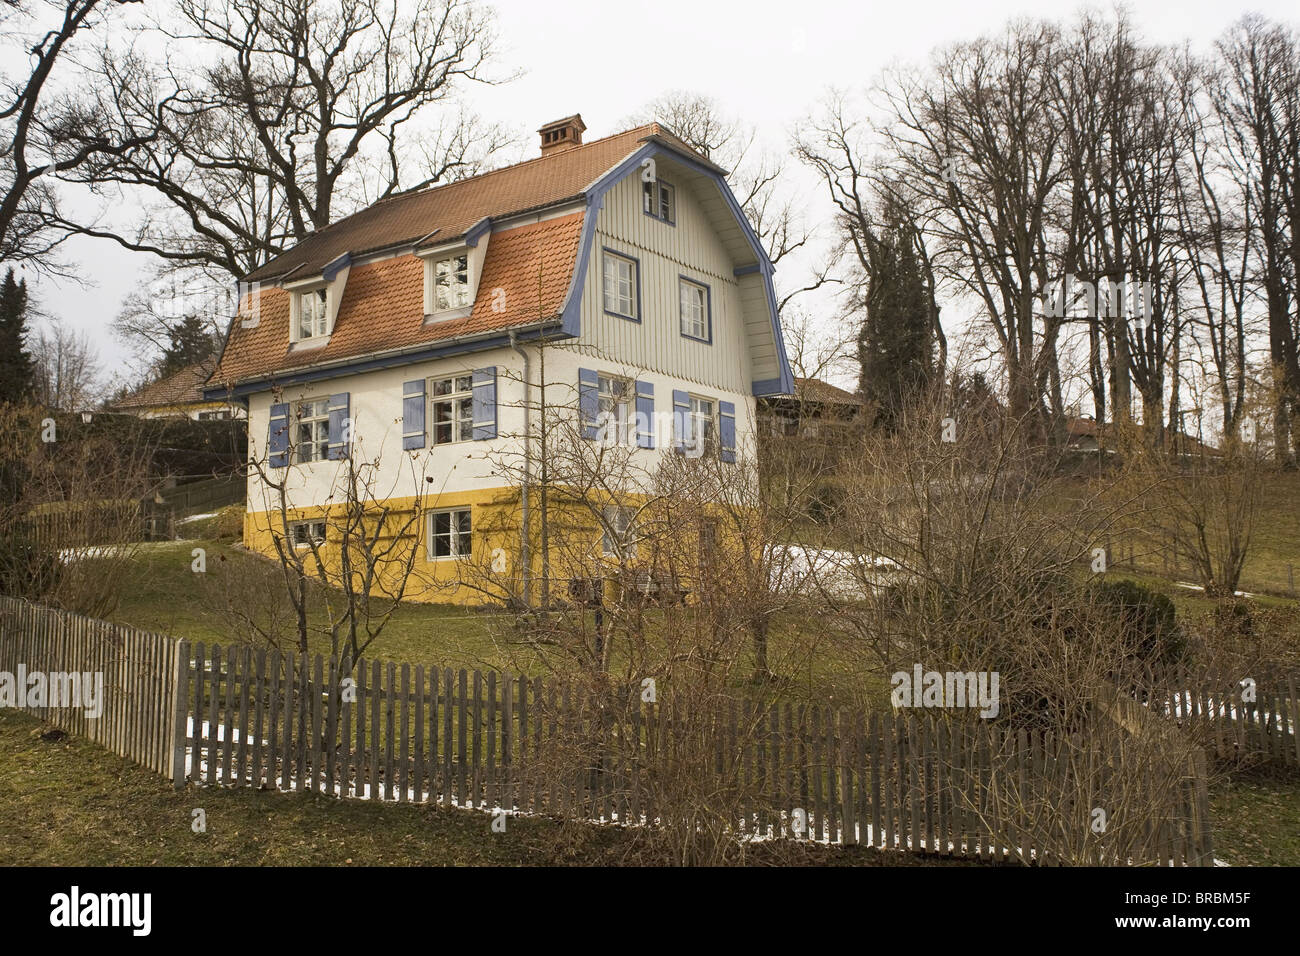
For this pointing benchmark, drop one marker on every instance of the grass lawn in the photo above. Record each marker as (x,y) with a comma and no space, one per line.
(66,802)
(1272,563)
(1256,817)
(164,595)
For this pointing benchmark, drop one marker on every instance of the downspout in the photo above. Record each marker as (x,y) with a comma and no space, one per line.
(525,556)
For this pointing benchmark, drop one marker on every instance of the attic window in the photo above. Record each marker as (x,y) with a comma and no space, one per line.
(451,283)
(313,314)
(659,199)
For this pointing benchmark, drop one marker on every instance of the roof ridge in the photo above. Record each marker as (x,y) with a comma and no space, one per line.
(655,128)
(501,169)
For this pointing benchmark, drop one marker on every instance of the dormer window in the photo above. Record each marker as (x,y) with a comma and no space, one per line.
(451,283)
(313,314)
(451,276)
(659,199)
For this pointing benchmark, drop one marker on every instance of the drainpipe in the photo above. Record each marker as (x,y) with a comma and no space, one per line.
(525,556)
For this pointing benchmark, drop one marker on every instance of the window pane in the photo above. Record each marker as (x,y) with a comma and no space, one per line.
(620,285)
(463,537)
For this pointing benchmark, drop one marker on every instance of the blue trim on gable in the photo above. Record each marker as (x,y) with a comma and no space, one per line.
(746,270)
(571,314)
(337,266)
(636,262)
(477,230)
(772,386)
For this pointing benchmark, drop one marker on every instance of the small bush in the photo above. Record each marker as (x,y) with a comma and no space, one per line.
(230,523)
(1148,615)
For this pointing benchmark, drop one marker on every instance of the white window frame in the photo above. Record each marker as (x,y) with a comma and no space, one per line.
(622,405)
(633,281)
(652,201)
(461,401)
(694,417)
(311,524)
(319,297)
(683,285)
(621,520)
(320,438)
(460,308)
(454,534)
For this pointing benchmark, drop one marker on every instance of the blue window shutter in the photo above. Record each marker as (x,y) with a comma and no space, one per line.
(485,403)
(727,430)
(645,414)
(588,400)
(338,446)
(413,414)
(681,412)
(277,441)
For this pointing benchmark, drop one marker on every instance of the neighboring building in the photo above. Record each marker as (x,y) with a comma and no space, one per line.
(180,395)
(418,322)
(1083,433)
(815,407)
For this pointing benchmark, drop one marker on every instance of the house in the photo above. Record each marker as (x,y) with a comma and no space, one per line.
(180,395)
(422,334)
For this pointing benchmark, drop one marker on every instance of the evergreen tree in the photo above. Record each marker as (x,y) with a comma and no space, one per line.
(190,342)
(17,368)
(896,341)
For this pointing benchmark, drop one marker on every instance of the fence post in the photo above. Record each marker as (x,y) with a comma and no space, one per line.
(1202,837)
(180,712)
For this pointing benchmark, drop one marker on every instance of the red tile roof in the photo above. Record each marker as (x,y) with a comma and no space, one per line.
(383,303)
(453,208)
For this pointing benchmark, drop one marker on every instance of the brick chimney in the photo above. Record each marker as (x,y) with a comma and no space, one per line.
(562,134)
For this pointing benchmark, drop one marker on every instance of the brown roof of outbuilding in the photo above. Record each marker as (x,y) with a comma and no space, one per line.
(815,390)
(175,389)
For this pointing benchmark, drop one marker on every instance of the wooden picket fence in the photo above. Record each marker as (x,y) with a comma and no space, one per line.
(1236,729)
(407,733)
(929,781)
(139,669)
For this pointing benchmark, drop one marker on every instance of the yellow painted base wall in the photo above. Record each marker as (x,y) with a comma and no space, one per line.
(492,574)
(494,519)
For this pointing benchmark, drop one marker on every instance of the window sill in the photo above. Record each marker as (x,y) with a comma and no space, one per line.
(449,315)
(307,345)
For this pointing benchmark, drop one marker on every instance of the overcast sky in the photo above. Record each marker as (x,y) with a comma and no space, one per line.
(768,63)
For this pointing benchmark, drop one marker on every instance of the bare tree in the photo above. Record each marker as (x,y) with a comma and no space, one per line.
(49,127)
(293,113)
(68,373)
(1257,99)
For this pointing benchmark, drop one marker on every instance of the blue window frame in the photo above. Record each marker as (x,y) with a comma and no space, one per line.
(621,285)
(694,310)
